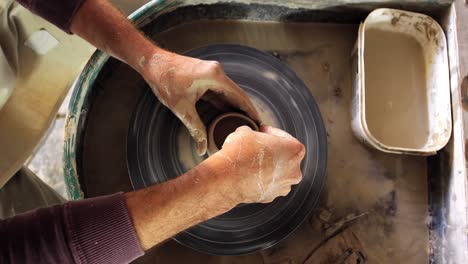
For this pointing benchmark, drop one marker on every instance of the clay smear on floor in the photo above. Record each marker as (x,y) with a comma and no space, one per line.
(395,89)
(374,203)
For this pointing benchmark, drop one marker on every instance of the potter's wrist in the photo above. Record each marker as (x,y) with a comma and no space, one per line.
(152,60)
(220,181)
(226,178)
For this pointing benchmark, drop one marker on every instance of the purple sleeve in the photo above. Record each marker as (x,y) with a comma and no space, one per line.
(97,230)
(58,12)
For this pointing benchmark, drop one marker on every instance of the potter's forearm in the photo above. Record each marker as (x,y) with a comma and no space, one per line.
(161,211)
(105,27)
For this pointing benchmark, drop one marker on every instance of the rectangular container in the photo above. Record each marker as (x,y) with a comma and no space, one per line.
(401,100)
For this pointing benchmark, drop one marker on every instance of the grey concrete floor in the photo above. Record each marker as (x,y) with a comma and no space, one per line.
(46,161)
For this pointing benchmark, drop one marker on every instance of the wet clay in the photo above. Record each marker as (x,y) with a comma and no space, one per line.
(395,89)
(227,126)
(390,189)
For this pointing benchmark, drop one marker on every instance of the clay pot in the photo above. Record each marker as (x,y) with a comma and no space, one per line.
(224,125)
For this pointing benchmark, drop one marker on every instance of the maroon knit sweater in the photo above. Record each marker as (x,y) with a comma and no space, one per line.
(97,230)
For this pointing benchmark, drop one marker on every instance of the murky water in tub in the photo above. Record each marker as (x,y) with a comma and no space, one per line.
(395,89)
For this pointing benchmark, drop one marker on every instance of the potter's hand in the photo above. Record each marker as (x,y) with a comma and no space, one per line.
(179,82)
(251,167)
(261,166)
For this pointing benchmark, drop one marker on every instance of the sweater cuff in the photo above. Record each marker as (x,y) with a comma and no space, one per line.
(58,12)
(100,230)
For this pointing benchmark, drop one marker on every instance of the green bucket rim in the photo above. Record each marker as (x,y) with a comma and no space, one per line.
(81,90)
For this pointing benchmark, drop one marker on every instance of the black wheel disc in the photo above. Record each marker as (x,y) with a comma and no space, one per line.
(159,149)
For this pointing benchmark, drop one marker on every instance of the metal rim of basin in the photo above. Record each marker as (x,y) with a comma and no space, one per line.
(152,152)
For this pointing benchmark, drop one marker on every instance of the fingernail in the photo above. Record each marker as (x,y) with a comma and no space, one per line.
(201,148)
(263,127)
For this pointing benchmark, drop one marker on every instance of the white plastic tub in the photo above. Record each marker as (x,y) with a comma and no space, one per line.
(401,101)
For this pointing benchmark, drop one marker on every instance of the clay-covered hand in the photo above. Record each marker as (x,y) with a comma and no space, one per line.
(261,166)
(180,81)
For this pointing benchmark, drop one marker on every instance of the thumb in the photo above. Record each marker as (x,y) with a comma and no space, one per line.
(196,128)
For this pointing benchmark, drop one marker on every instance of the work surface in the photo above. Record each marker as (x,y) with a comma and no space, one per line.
(374,205)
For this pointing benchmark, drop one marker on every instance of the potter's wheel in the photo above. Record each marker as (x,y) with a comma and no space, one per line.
(159,148)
